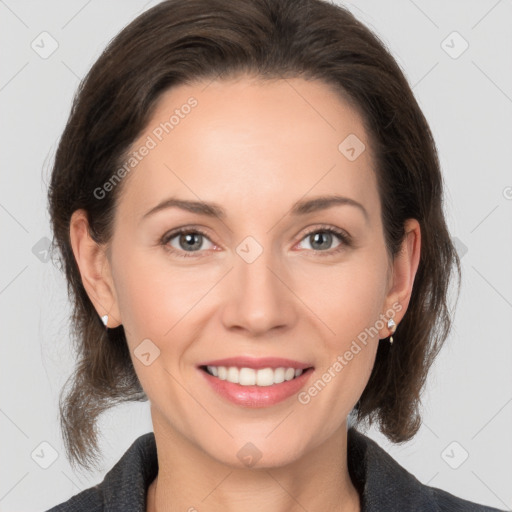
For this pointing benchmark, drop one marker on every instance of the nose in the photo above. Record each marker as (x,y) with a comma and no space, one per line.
(258,298)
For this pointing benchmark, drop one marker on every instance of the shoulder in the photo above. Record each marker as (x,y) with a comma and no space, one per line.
(124,487)
(448,502)
(90,499)
(385,486)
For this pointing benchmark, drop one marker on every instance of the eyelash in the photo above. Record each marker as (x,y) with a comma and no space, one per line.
(342,235)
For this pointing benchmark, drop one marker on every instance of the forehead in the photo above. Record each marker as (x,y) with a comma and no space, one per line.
(248,144)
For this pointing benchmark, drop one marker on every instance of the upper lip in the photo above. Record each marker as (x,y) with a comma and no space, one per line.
(258,363)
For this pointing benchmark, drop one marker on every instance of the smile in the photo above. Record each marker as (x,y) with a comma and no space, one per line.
(255,382)
(252,377)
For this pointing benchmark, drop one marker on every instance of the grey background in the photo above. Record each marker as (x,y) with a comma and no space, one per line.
(468,103)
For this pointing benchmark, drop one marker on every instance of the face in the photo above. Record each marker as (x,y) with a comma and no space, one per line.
(266,273)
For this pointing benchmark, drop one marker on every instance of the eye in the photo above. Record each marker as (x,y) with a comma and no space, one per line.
(184,242)
(321,238)
(187,241)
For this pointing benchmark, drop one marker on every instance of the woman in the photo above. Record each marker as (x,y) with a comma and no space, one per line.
(248,203)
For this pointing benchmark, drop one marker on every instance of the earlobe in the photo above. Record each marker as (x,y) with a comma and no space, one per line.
(94,269)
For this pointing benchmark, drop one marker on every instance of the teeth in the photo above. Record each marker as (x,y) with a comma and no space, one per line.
(247,377)
(251,377)
(233,373)
(289,374)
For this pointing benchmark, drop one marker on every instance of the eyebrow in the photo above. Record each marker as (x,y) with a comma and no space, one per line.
(302,207)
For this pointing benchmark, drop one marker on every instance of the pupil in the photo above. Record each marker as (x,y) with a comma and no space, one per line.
(189,237)
(319,236)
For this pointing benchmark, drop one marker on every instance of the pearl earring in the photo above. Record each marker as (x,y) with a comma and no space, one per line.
(104,318)
(392,328)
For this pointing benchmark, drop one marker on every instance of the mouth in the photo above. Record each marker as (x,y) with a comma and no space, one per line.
(254,377)
(256,383)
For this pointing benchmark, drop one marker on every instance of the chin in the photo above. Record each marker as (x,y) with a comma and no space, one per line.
(256,452)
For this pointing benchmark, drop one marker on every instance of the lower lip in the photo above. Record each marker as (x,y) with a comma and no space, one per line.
(257,396)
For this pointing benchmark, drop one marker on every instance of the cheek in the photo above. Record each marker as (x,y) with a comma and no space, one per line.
(353,311)
(153,302)
(161,304)
(353,296)
(153,297)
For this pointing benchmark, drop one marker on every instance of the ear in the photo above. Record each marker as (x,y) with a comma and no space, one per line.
(94,268)
(404,268)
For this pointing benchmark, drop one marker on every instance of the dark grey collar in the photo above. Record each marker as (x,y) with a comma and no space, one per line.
(384,485)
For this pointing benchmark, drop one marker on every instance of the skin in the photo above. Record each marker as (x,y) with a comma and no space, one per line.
(254,148)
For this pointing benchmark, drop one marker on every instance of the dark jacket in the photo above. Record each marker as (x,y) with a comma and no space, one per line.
(384,485)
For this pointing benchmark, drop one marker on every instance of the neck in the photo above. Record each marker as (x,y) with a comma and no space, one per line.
(319,480)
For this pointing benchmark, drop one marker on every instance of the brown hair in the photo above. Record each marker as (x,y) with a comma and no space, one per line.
(180,42)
